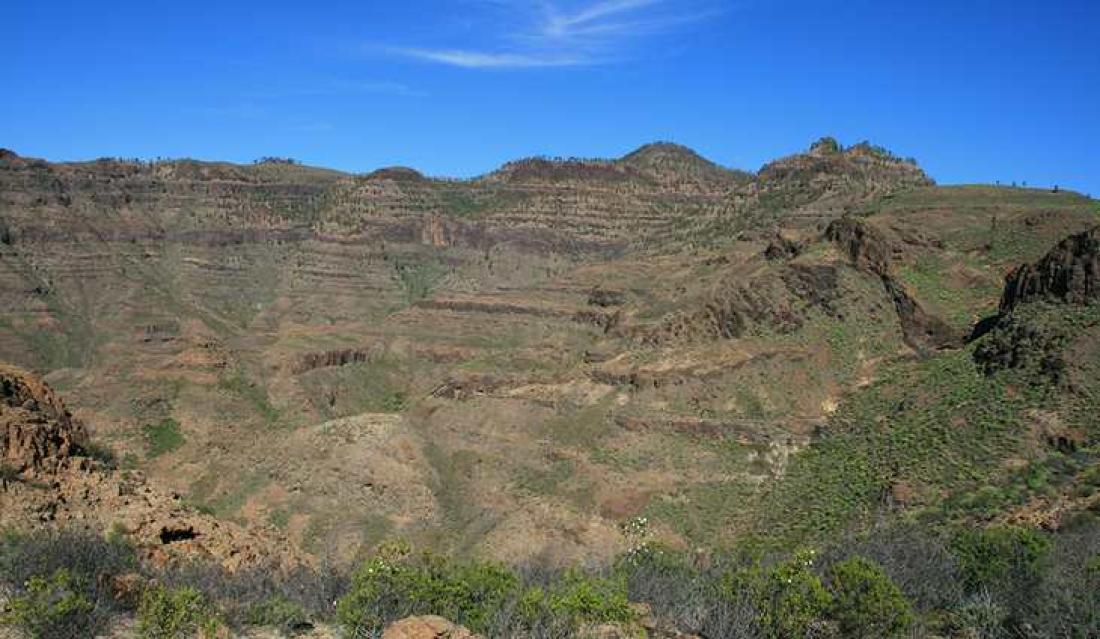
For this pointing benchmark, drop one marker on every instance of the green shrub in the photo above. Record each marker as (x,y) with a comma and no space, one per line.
(177,613)
(473,592)
(866,603)
(476,595)
(34,565)
(990,557)
(8,474)
(385,589)
(102,453)
(789,598)
(163,437)
(795,598)
(417,280)
(533,606)
(584,599)
(980,616)
(53,607)
(278,612)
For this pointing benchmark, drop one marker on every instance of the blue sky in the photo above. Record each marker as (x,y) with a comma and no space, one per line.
(976,91)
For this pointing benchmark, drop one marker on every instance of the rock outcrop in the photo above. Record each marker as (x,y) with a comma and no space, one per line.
(58,486)
(828,178)
(1070,273)
(36,430)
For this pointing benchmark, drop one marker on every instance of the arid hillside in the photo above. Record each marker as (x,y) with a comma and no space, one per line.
(509,366)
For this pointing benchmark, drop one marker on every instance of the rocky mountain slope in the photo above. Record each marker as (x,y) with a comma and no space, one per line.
(52,478)
(1003,430)
(510,365)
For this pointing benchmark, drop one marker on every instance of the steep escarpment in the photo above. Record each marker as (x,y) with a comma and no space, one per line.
(871,251)
(1031,330)
(1069,273)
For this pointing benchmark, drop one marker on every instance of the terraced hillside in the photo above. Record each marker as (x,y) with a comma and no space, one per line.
(510,365)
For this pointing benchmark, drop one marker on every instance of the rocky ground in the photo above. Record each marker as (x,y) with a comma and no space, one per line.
(53,480)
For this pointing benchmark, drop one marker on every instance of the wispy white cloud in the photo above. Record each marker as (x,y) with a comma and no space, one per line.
(545,33)
(486,60)
(564,25)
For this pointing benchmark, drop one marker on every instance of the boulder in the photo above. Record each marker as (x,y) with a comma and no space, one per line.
(427,627)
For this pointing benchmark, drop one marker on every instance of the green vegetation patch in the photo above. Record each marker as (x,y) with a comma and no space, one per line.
(476,594)
(582,427)
(959,303)
(382,385)
(417,279)
(176,613)
(947,427)
(937,425)
(255,394)
(52,606)
(897,581)
(866,603)
(705,512)
(162,437)
(545,481)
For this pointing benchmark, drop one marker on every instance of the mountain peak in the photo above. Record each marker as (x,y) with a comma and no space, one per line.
(668,162)
(558,169)
(397,174)
(662,149)
(664,154)
(829,177)
(826,146)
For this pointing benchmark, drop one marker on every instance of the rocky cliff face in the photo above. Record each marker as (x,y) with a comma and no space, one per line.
(1070,273)
(1021,337)
(36,430)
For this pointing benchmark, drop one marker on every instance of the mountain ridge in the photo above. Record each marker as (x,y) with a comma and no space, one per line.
(505,368)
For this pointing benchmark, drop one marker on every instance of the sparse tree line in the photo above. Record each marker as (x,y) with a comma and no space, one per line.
(270,159)
(830,145)
(1002,581)
(158,160)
